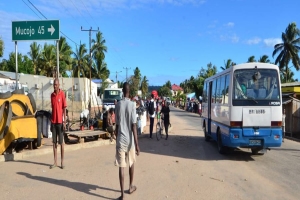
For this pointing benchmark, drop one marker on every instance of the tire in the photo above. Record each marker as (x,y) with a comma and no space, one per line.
(255,151)
(32,101)
(18,91)
(207,138)
(221,148)
(158,131)
(5,95)
(38,140)
(6,124)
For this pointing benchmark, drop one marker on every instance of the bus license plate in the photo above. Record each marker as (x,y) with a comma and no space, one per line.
(255,142)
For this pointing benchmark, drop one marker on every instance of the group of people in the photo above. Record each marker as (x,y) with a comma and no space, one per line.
(121,122)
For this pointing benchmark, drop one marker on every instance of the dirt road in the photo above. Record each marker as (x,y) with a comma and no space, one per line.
(183,167)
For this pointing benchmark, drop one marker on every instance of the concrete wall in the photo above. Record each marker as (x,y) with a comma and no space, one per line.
(76,89)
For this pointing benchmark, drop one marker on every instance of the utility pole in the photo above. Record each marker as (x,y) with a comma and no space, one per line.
(117,76)
(90,43)
(126,72)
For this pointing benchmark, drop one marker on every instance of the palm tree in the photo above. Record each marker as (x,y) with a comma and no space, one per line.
(288,49)
(1,47)
(99,45)
(264,59)
(35,55)
(144,85)
(48,60)
(228,64)
(287,78)
(80,61)
(251,59)
(100,69)
(65,53)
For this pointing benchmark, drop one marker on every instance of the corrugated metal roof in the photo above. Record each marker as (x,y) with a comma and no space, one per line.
(3,76)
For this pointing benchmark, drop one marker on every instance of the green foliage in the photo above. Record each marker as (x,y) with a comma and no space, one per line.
(144,86)
(164,91)
(251,59)
(289,48)
(1,47)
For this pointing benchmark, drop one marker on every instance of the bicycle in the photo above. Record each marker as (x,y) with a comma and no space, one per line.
(159,127)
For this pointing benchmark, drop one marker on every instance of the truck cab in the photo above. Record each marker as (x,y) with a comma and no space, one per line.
(110,95)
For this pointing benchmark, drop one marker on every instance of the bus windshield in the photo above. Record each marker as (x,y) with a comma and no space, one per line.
(256,84)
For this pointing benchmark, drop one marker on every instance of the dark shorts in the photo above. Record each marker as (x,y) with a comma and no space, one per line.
(57,132)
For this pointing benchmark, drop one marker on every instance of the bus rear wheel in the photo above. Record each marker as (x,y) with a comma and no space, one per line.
(207,138)
(221,148)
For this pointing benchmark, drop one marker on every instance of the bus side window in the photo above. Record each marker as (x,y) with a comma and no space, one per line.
(226,88)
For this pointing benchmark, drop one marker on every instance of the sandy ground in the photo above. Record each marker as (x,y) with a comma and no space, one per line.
(182,167)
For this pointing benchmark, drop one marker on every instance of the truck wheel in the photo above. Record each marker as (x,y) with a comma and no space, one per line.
(18,91)
(5,95)
(6,114)
(32,101)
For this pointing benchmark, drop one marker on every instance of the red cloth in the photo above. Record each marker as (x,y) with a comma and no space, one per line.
(58,103)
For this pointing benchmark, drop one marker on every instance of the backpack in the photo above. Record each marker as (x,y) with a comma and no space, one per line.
(151,108)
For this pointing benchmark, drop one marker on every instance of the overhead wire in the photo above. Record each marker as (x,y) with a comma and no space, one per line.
(37,9)
(31,9)
(88,11)
(46,18)
(80,12)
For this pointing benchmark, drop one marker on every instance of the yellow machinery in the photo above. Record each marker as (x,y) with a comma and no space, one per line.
(17,120)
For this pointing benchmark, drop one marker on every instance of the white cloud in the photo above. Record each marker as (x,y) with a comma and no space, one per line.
(271,42)
(255,40)
(6,32)
(233,38)
(229,24)
(79,8)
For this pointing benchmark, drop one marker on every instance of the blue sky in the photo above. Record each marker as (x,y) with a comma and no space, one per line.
(166,39)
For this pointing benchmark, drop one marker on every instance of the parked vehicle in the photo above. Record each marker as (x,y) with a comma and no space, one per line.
(242,107)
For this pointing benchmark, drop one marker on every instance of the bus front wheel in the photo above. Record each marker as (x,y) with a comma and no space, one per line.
(221,148)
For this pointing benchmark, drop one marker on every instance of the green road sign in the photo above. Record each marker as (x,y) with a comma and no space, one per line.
(35,30)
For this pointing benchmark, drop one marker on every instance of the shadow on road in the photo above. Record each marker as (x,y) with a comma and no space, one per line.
(283,149)
(82,187)
(190,147)
(31,162)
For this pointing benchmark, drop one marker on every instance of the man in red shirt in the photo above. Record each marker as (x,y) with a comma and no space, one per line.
(58,124)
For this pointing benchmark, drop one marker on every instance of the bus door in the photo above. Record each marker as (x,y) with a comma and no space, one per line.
(209,107)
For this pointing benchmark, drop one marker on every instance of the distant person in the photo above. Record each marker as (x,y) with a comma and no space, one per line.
(111,126)
(84,116)
(58,104)
(151,111)
(165,110)
(127,142)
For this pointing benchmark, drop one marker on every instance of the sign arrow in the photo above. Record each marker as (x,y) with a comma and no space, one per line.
(51,29)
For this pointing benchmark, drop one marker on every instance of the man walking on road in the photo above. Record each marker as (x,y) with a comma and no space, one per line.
(58,124)
(151,113)
(127,142)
